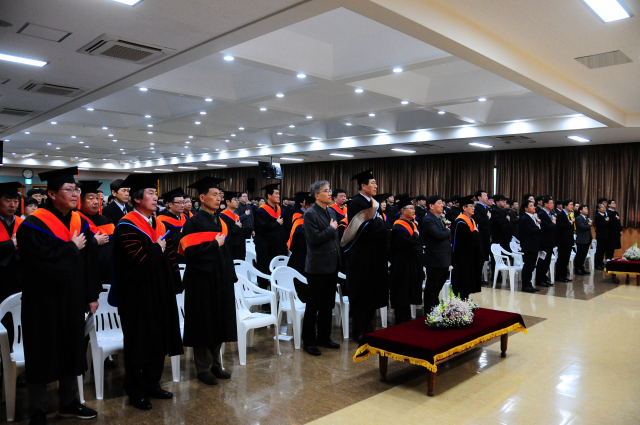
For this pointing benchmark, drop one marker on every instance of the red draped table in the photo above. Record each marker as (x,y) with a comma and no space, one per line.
(417,343)
(618,266)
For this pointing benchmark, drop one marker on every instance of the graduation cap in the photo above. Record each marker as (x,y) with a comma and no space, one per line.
(32,192)
(30,201)
(10,189)
(380,198)
(363,177)
(309,200)
(403,202)
(56,178)
(116,185)
(466,200)
(231,194)
(431,200)
(270,188)
(136,182)
(400,196)
(421,198)
(204,184)
(172,194)
(298,197)
(89,186)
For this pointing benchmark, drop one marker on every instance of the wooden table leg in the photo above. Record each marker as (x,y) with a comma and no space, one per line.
(432,384)
(613,277)
(504,339)
(384,361)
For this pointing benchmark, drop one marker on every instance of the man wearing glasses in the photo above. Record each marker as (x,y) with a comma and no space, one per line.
(55,240)
(173,219)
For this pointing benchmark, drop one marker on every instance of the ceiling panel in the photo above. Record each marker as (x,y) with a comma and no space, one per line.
(422,119)
(518,108)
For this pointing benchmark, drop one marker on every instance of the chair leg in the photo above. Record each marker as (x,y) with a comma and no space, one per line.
(297,328)
(175,368)
(289,318)
(250,338)
(345,321)
(98,373)
(383,316)
(10,376)
(87,375)
(221,353)
(242,346)
(277,339)
(413,311)
(495,278)
(512,279)
(338,312)
(81,389)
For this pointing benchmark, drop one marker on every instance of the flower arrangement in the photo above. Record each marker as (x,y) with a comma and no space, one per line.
(445,222)
(453,313)
(632,254)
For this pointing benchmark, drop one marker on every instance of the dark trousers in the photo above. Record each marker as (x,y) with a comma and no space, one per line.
(615,241)
(402,314)
(436,277)
(362,319)
(142,376)
(601,247)
(67,393)
(207,358)
(530,258)
(320,300)
(562,263)
(543,265)
(581,256)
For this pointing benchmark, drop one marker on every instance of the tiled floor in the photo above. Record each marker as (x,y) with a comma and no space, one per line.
(579,364)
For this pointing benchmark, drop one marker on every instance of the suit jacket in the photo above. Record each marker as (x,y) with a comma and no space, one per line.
(615,227)
(437,242)
(529,234)
(548,235)
(583,230)
(500,227)
(323,246)
(114,212)
(602,226)
(564,230)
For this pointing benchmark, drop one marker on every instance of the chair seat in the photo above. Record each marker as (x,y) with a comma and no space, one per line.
(257,297)
(258,320)
(111,345)
(300,306)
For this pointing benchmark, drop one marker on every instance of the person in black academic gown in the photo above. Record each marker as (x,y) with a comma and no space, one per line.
(9,256)
(270,239)
(392,211)
(405,255)
(236,243)
(210,311)
(297,243)
(288,213)
(366,254)
(468,257)
(53,309)
(482,217)
(615,230)
(145,290)
(173,219)
(453,211)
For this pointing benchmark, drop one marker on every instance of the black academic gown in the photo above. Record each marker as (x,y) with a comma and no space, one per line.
(270,241)
(482,220)
(102,255)
(467,260)
(298,248)
(174,237)
(53,308)
(367,261)
(615,227)
(451,213)
(209,300)
(146,291)
(9,266)
(236,241)
(405,280)
(392,213)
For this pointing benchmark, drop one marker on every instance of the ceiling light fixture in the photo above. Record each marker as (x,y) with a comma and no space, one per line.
(114,140)
(481,145)
(105,128)
(291,159)
(149,132)
(371,114)
(73,137)
(162,169)
(359,90)
(24,61)
(197,122)
(403,150)
(141,171)
(382,130)
(203,113)
(348,123)
(301,75)
(143,89)
(226,140)
(27,132)
(228,58)
(147,116)
(608,10)
(90,109)
(121,149)
(263,109)
(81,142)
(48,144)
(57,148)
(128,2)
(216,165)
(279,95)
(149,125)
(472,121)
(233,135)
(208,99)
(579,138)
(188,168)
(248,162)
(482,99)
(405,102)
(186,141)
(109,135)
(190,137)
(397,69)
(309,117)
(53,123)
(279,133)
(240,128)
(441,112)
(292,126)
(154,143)
(342,154)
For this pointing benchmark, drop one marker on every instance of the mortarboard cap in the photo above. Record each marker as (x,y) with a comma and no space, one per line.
(363,177)
(10,189)
(380,198)
(172,194)
(116,185)
(204,184)
(403,202)
(32,192)
(455,198)
(400,196)
(421,198)
(229,194)
(466,200)
(309,200)
(270,188)
(89,186)
(298,197)
(29,200)
(136,182)
(433,199)
(56,178)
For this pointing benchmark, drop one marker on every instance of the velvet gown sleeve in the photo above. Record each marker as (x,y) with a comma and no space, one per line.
(202,257)
(7,252)
(265,222)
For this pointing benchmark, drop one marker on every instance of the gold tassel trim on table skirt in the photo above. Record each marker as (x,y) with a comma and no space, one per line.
(369,351)
(627,273)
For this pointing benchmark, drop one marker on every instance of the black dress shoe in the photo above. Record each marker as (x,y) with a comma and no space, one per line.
(220,374)
(110,364)
(77,410)
(542,284)
(529,289)
(311,349)
(159,393)
(584,272)
(38,418)
(140,402)
(207,378)
(599,267)
(563,279)
(330,344)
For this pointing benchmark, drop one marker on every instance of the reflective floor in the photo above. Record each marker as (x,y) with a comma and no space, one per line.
(579,364)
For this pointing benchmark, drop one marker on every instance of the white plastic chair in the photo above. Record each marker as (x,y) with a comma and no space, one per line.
(515,247)
(250,245)
(247,270)
(552,264)
(247,321)
(282,282)
(250,257)
(344,307)
(592,255)
(175,360)
(503,263)
(278,261)
(13,356)
(572,257)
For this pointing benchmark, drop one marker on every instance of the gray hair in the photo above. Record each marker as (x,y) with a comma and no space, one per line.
(316,187)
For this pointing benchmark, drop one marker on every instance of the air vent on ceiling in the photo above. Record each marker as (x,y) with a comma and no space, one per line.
(602,60)
(126,50)
(52,89)
(17,112)
(515,139)
(423,145)
(4,80)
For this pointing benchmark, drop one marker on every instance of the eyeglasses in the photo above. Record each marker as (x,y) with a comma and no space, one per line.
(179,203)
(71,192)
(329,191)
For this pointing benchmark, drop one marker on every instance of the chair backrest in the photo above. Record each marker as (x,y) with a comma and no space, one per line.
(250,257)
(555,251)
(514,246)
(180,303)
(241,307)
(342,275)
(496,250)
(278,261)
(283,276)
(107,319)
(13,305)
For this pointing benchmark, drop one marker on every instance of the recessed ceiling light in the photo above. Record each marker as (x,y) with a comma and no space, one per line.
(149,132)
(109,135)
(240,128)
(182,154)
(46,156)
(75,157)
(48,144)
(226,140)
(279,95)
(186,141)
(382,130)
(141,171)
(53,123)
(114,140)
(104,159)
(481,145)
(24,61)
(405,102)
(359,90)
(403,150)
(203,113)
(228,58)
(121,149)
(397,69)
(342,154)
(149,125)
(81,142)
(441,112)
(579,138)
(248,162)
(482,99)
(217,150)
(216,165)
(147,116)
(197,122)
(86,146)
(301,75)
(263,109)
(57,148)
(152,143)
(143,89)
(90,109)
(73,137)
(608,10)
(27,132)
(348,123)
(128,2)
(259,144)
(472,121)
(162,169)
(291,159)
(123,153)
(279,133)
(233,135)
(208,99)
(371,114)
